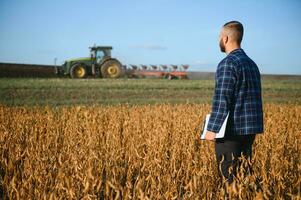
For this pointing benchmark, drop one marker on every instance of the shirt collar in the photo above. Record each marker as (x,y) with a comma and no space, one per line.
(236,50)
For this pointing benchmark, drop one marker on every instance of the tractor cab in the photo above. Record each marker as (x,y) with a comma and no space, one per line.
(98,53)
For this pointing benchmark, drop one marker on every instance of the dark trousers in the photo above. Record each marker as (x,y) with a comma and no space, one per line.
(228,150)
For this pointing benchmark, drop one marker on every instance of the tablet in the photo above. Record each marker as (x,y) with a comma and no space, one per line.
(221,132)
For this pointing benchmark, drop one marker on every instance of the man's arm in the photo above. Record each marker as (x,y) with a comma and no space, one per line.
(224,87)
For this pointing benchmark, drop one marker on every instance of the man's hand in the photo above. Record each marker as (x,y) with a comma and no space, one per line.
(210,136)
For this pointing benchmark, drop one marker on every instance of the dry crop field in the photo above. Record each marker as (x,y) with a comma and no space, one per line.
(138,151)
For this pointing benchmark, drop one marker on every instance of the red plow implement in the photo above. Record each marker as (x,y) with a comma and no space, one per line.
(160,71)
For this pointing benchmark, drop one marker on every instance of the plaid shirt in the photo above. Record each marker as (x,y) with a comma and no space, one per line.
(237,91)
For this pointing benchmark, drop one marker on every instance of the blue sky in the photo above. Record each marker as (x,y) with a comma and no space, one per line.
(151,32)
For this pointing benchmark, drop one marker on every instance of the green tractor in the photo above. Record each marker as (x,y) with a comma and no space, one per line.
(99,64)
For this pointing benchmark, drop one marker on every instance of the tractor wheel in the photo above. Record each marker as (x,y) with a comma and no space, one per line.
(111,69)
(78,71)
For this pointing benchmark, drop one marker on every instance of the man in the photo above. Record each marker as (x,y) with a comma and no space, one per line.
(237,91)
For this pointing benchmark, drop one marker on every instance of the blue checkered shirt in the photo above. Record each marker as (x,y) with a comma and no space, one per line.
(237,91)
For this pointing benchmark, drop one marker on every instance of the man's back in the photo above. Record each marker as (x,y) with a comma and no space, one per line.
(238,91)
(246,109)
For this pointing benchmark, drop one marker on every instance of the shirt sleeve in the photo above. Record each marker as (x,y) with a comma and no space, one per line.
(224,86)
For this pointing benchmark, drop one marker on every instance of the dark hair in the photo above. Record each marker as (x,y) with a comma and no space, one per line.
(237,30)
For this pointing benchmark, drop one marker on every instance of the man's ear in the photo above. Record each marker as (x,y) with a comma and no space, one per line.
(226,39)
